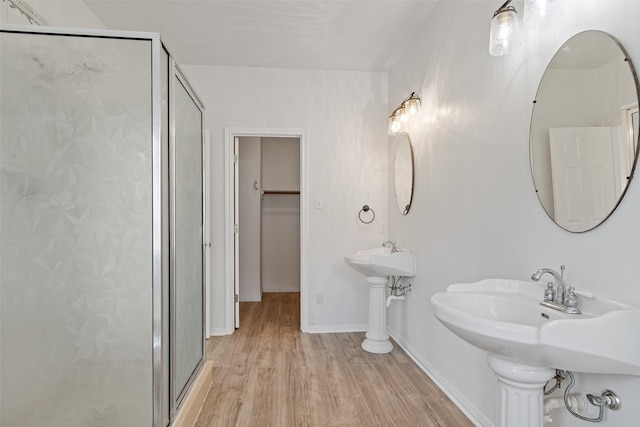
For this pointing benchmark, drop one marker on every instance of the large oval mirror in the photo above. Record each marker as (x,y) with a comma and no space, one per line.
(403,172)
(584,131)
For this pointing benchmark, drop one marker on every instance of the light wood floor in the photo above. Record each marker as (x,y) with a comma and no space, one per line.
(268,373)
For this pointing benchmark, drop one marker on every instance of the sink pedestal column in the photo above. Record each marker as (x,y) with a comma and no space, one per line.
(377,340)
(520,392)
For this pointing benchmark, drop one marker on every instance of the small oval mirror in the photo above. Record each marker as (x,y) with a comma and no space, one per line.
(584,131)
(403,168)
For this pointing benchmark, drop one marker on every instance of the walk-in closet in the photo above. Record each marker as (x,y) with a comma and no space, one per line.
(269,215)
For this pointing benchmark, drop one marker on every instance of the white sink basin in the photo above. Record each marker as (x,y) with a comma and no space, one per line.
(380,262)
(504,317)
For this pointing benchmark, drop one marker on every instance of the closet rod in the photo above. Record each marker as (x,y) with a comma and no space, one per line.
(281,192)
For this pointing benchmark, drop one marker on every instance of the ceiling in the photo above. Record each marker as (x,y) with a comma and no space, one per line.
(358,35)
(587,50)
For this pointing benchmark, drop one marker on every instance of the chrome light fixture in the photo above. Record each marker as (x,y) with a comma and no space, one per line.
(505,30)
(401,115)
(535,12)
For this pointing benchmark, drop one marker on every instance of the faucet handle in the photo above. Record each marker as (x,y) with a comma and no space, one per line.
(572,299)
(549,293)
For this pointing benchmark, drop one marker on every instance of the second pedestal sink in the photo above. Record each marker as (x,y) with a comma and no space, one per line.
(504,317)
(527,342)
(377,265)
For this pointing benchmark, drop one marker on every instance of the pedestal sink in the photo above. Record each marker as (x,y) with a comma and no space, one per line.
(377,265)
(527,342)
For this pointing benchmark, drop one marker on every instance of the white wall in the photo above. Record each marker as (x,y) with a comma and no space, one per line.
(249,148)
(64,13)
(281,163)
(475,213)
(281,215)
(344,115)
(618,91)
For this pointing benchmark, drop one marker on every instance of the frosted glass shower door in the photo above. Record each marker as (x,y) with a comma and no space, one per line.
(75,231)
(187,248)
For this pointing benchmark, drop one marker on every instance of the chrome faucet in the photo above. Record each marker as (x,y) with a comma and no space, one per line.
(560,286)
(558,297)
(393,246)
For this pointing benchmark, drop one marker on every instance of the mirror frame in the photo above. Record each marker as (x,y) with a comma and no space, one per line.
(407,206)
(636,141)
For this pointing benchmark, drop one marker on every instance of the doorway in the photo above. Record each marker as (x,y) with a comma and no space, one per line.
(269,215)
(274,198)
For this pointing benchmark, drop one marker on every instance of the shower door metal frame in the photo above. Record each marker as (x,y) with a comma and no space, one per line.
(176,397)
(158,166)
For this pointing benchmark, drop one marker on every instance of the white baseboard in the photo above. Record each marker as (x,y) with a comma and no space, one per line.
(458,399)
(281,289)
(217,332)
(332,329)
(251,299)
(193,404)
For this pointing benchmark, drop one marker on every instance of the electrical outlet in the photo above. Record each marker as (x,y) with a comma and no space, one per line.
(319,204)
(319,298)
(383,228)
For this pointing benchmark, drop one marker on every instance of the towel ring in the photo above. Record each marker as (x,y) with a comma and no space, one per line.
(366,209)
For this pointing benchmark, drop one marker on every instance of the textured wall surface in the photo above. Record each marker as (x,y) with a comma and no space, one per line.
(249,239)
(475,212)
(345,119)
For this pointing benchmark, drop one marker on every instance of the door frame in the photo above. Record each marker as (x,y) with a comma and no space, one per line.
(230,134)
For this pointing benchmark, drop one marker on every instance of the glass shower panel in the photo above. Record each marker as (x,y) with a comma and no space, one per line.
(188,342)
(75,231)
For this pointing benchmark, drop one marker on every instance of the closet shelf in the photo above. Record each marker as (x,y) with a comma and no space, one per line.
(280,191)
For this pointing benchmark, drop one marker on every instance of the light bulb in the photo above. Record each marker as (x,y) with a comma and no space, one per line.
(505,32)
(403,114)
(394,124)
(412,105)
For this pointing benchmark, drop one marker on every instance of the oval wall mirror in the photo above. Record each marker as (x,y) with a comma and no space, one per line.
(403,171)
(583,142)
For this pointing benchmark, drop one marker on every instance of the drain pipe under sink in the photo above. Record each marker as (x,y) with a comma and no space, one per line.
(576,401)
(392,297)
(398,289)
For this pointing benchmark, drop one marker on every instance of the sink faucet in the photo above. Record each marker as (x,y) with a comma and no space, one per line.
(558,298)
(393,246)
(559,279)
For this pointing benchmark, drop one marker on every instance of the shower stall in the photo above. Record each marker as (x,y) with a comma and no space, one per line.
(101,229)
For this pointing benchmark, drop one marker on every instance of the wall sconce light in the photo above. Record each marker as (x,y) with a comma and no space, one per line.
(505,29)
(401,115)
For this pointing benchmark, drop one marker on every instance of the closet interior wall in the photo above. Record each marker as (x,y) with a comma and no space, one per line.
(269,180)
(280,215)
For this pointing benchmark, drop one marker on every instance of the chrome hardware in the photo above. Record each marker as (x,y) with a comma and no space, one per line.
(608,399)
(366,209)
(571,300)
(558,298)
(549,293)
(398,289)
(393,246)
